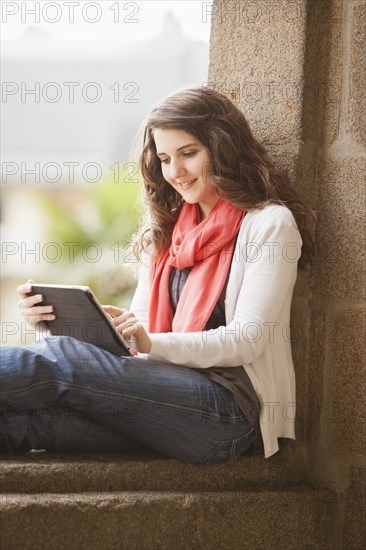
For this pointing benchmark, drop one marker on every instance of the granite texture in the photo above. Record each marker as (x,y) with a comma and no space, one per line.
(340,260)
(256,57)
(325,65)
(291,519)
(357,90)
(319,340)
(354,535)
(44,472)
(300,320)
(348,382)
(297,71)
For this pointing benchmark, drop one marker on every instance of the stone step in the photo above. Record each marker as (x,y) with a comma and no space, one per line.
(43,472)
(298,519)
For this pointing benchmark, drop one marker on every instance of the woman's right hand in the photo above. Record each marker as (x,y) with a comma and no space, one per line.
(34,314)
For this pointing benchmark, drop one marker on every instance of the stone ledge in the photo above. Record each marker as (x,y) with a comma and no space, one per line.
(43,472)
(292,519)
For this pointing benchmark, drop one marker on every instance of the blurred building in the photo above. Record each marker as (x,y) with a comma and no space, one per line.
(83,101)
(70,113)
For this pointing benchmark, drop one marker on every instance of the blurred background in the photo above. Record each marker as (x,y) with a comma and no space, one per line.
(78,79)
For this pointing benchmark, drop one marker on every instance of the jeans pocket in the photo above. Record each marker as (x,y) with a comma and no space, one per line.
(229,448)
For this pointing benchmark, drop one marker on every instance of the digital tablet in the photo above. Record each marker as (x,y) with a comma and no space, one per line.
(80,315)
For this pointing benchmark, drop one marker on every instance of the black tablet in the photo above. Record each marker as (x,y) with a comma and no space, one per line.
(80,315)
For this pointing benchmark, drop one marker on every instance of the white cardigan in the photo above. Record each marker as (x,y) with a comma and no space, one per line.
(257,310)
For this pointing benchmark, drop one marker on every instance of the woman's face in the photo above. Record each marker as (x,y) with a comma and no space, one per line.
(185,164)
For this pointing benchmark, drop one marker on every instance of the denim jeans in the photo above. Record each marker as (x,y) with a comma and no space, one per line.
(63,395)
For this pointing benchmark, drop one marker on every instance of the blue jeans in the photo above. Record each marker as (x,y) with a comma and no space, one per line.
(63,395)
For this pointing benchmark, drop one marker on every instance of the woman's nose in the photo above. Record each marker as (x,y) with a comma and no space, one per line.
(176,169)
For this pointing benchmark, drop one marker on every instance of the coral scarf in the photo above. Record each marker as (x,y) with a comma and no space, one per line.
(208,247)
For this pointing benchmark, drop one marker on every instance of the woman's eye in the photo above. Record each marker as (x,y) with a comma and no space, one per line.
(190,154)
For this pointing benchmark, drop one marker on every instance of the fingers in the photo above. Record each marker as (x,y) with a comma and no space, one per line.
(30,301)
(123,320)
(126,324)
(133,328)
(114,311)
(123,324)
(39,311)
(24,289)
(34,314)
(130,329)
(38,314)
(118,315)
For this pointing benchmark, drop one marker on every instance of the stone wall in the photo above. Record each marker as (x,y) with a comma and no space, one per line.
(297,70)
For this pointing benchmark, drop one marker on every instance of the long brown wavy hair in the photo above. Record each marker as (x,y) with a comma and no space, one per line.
(241,169)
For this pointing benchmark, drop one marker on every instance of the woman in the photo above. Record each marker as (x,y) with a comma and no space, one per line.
(210,317)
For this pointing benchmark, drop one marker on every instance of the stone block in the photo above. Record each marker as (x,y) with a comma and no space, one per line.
(340,260)
(357,89)
(354,535)
(324,68)
(298,517)
(300,355)
(41,472)
(308,172)
(319,340)
(290,157)
(257,57)
(346,375)
(287,157)
(302,285)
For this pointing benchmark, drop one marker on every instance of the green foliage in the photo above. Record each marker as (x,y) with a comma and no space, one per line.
(62,227)
(104,215)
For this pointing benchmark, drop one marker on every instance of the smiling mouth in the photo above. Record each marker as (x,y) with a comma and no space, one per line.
(187,184)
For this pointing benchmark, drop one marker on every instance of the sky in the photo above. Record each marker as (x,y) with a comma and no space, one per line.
(105,20)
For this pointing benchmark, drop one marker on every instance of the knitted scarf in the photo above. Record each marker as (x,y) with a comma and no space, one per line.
(206,245)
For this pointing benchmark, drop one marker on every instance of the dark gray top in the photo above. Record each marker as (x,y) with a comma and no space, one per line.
(233,378)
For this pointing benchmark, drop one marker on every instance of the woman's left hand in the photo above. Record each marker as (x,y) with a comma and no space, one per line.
(127,324)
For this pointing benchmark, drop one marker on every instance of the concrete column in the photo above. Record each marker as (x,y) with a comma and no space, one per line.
(257,57)
(297,70)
